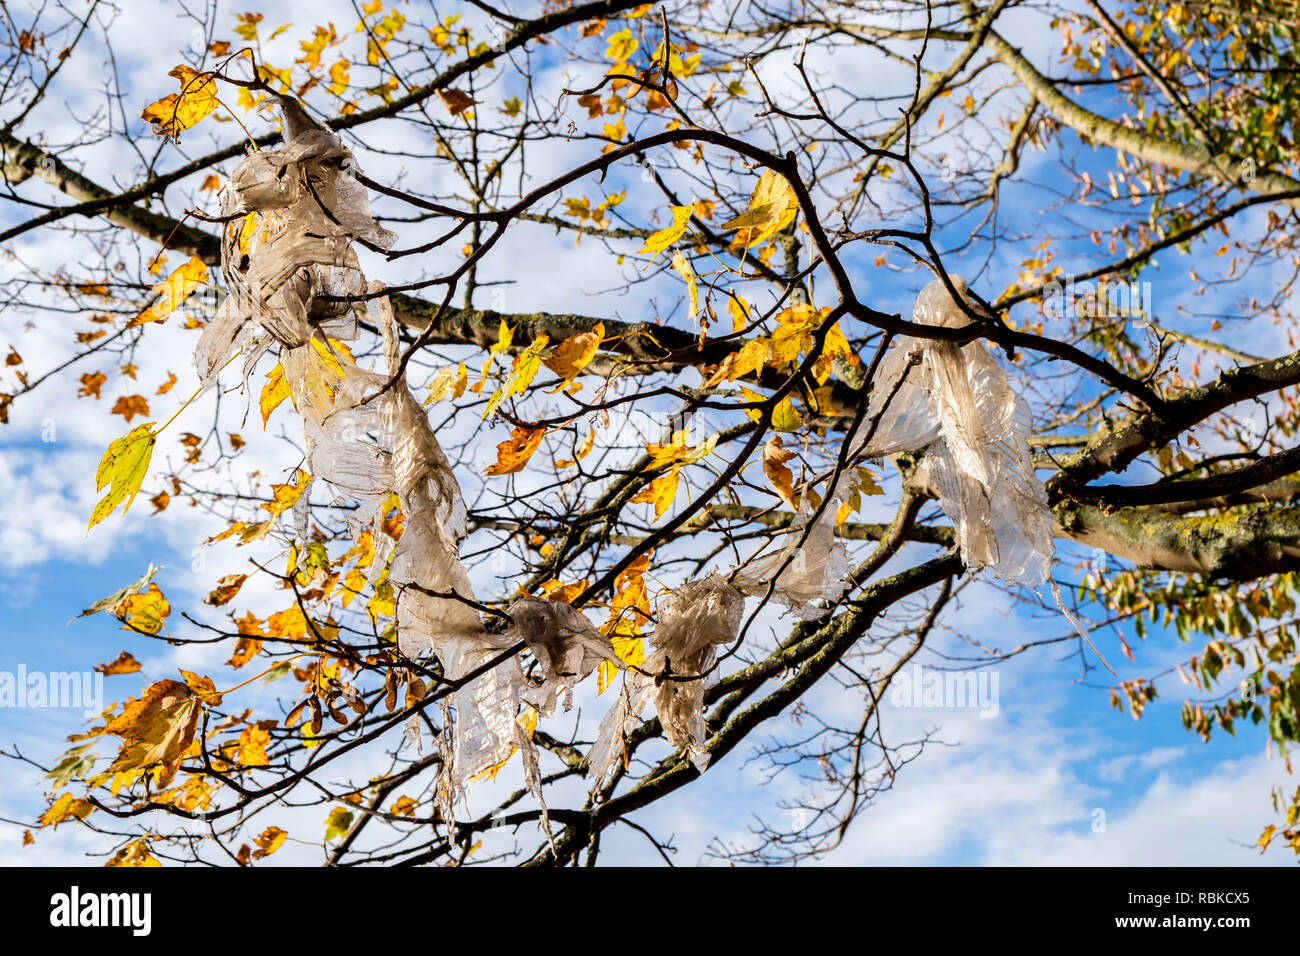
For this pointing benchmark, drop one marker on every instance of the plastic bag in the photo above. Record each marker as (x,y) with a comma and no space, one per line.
(955,403)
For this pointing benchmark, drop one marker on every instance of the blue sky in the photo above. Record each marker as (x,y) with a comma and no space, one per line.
(1024,787)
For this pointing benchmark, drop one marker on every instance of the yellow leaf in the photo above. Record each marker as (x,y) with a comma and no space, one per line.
(180,111)
(144,612)
(286,495)
(173,291)
(660,492)
(124,465)
(620,46)
(574,354)
(664,238)
(521,374)
(275,391)
(514,452)
(156,729)
(67,807)
(270,840)
(772,207)
(337,823)
(684,269)
(134,854)
(739,311)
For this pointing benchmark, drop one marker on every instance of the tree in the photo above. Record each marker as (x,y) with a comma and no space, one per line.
(767,189)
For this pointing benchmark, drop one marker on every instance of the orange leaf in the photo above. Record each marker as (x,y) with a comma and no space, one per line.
(514,452)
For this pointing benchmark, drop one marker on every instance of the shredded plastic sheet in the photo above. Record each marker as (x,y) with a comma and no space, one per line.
(288,247)
(955,403)
(811,563)
(697,619)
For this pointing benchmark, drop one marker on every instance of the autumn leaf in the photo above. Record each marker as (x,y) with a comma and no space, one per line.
(659,492)
(124,465)
(772,207)
(180,111)
(774,468)
(91,383)
(275,391)
(134,854)
(111,603)
(620,46)
(456,101)
(225,590)
(661,240)
(67,807)
(124,663)
(174,290)
(514,452)
(270,840)
(337,823)
(129,406)
(145,611)
(522,373)
(575,353)
(156,729)
(684,269)
(285,496)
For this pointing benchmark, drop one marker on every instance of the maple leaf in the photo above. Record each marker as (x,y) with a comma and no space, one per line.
(522,373)
(772,206)
(514,452)
(129,406)
(275,391)
(270,840)
(456,101)
(67,807)
(156,729)
(225,590)
(172,291)
(134,854)
(337,823)
(660,492)
(575,353)
(114,600)
(160,501)
(145,611)
(91,383)
(286,495)
(661,240)
(124,663)
(166,386)
(125,463)
(684,269)
(180,111)
(621,46)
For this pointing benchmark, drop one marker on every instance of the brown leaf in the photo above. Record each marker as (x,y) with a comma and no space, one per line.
(125,663)
(455,101)
(129,406)
(226,589)
(156,729)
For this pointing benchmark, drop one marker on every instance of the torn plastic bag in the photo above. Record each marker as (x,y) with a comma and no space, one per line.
(955,403)
(566,645)
(811,563)
(287,254)
(696,620)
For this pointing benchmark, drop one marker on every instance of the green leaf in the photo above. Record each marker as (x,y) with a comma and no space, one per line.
(337,823)
(114,600)
(124,465)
